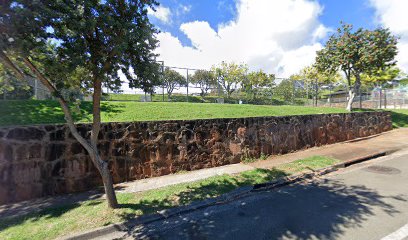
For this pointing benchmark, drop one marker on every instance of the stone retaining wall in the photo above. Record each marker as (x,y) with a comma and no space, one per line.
(43,160)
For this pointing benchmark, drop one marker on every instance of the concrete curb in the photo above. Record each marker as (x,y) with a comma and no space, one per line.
(238,193)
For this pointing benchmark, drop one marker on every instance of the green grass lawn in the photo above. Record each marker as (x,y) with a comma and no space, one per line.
(58,221)
(399,118)
(37,112)
(177,97)
(25,112)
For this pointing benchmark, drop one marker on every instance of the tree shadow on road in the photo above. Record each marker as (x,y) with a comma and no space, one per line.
(321,210)
(65,208)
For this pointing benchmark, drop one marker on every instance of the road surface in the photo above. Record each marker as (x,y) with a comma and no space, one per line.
(364,201)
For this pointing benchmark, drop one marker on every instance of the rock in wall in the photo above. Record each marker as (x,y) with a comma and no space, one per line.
(44,160)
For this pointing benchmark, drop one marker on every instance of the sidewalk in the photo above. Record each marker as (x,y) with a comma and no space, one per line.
(385,142)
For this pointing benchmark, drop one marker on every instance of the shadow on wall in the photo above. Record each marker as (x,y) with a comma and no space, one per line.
(316,210)
(43,112)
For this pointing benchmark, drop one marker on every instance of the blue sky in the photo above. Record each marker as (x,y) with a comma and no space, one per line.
(279,36)
(359,13)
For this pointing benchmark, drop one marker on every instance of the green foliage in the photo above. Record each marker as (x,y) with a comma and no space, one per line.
(311,74)
(357,52)
(381,76)
(171,80)
(9,84)
(205,81)
(285,90)
(230,75)
(250,159)
(257,83)
(96,40)
(404,81)
(362,51)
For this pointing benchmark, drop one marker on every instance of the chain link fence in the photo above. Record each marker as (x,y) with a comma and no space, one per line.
(284,91)
(31,89)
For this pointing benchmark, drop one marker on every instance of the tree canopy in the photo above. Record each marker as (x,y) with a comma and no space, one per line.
(230,75)
(171,80)
(205,81)
(255,82)
(357,52)
(93,41)
(381,76)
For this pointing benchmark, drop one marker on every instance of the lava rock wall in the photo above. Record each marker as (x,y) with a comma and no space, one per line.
(44,160)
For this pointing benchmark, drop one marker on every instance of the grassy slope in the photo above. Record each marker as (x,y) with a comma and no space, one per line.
(399,118)
(53,222)
(36,112)
(192,99)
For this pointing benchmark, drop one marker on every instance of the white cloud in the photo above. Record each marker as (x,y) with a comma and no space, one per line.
(277,36)
(161,13)
(183,9)
(393,14)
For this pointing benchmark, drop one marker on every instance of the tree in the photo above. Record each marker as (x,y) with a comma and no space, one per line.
(286,90)
(355,53)
(10,85)
(230,75)
(381,76)
(95,38)
(313,78)
(205,80)
(255,82)
(172,79)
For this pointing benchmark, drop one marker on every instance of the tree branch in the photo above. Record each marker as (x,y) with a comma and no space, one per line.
(65,109)
(9,64)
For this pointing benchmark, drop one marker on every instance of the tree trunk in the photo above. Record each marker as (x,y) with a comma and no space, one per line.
(352,94)
(107,182)
(90,147)
(202,94)
(96,126)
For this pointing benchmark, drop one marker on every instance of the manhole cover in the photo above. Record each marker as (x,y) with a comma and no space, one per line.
(382,169)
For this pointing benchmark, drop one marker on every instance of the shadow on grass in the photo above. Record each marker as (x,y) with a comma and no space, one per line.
(210,188)
(318,209)
(22,112)
(321,210)
(399,119)
(165,198)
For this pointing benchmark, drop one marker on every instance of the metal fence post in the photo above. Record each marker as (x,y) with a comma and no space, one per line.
(359,96)
(187,84)
(330,95)
(162,72)
(385,98)
(36,89)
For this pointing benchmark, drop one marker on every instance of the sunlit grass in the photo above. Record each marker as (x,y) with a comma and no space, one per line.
(55,222)
(37,112)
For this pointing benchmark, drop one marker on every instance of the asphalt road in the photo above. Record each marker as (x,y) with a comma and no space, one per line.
(364,201)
